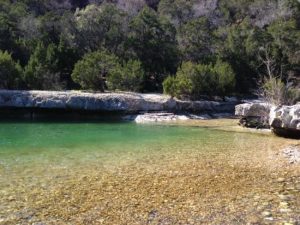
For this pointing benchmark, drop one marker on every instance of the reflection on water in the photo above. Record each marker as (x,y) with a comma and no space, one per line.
(123,173)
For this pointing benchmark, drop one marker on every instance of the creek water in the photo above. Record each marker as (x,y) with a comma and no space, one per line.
(124,173)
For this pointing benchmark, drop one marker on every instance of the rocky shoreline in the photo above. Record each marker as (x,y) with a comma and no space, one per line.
(128,103)
(283,120)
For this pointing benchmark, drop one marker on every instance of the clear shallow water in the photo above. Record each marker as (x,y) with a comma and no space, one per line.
(123,173)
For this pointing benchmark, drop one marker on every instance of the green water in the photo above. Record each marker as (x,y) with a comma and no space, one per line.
(47,168)
(25,143)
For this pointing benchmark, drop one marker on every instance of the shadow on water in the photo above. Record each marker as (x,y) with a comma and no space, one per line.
(57,115)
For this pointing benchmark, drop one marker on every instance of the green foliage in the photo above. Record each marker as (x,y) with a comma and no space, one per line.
(170,86)
(276,92)
(94,68)
(195,40)
(10,72)
(225,78)
(153,41)
(193,80)
(255,37)
(99,26)
(286,38)
(239,45)
(177,11)
(41,72)
(128,77)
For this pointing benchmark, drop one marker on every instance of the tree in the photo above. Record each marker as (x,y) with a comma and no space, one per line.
(225,78)
(41,73)
(93,69)
(10,72)
(170,86)
(195,40)
(286,37)
(152,39)
(128,77)
(177,11)
(99,26)
(238,45)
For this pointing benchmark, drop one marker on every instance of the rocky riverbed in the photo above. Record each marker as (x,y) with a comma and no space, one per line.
(194,174)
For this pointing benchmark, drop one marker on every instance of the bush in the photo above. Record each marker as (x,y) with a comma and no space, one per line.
(92,71)
(129,77)
(10,72)
(170,86)
(225,78)
(276,92)
(194,80)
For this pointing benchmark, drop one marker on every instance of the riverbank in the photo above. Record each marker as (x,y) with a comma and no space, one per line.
(128,103)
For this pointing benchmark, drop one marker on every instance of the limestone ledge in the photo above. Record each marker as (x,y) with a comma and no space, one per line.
(107,102)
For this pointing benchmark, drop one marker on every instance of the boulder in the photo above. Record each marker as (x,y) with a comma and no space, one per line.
(159,118)
(253,109)
(253,114)
(285,120)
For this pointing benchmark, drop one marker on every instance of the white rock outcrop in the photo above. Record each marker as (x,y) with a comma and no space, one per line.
(253,109)
(253,114)
(159,118)
(283,120)
(285,117)
(108,102)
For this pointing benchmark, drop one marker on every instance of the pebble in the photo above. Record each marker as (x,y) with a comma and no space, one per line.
(269,218)
(290,188)
(266,213)
(284,197)
(285,210)
(256,197)
(280,180)
(284,204)
(11,198)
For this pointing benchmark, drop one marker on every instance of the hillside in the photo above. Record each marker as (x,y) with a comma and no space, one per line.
(185,48)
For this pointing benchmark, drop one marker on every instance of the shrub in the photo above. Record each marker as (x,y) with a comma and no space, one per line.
(194,80)
(276,92)
(225,78)
(170,86)
(10,72)
(94,68)
(128,77)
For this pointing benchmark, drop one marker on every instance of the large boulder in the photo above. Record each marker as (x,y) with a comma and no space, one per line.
(253,114)
(285,120)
